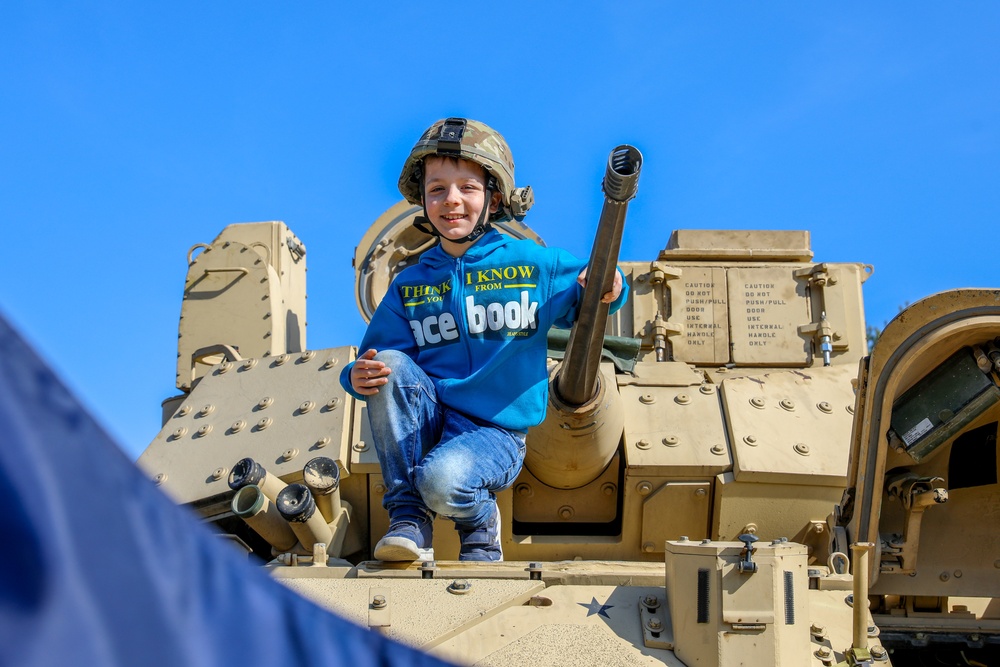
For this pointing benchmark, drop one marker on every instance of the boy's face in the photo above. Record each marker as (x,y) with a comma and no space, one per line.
(454,195)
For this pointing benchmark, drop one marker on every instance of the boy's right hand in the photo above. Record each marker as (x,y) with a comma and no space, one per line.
(367,375)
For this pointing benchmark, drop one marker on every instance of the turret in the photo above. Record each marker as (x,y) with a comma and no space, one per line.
(585,420)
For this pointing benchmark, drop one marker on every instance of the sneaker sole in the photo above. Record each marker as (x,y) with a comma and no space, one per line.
(393,549)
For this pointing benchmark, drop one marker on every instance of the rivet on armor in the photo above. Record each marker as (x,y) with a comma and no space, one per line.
(206,410)
(787,404)
(265,402)
(757,402)
(184,411)
(523,490)
(360,446)
(179,433)
(218,473)
(281,359)
(225,367)
(700,493)
(332,403)
(750,440)
(671,441)
(204,430)
(647,399)
(322,442)
(682,399)
(609,489)
(825,407)
(379,488)
(648,547)
(249,364)
(459,587)
(802,448)
(306,407)
(308,355)
(644,488)
(718,450)
(160,478)
(330,363)
(642,444)
(238,426)
(707,389)
(566,512)
(263,423)
(289,454)
(958,574)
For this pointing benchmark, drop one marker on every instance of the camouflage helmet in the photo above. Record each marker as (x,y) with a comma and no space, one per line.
(473,141)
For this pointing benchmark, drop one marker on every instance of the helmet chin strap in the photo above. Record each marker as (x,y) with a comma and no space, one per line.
(423,223)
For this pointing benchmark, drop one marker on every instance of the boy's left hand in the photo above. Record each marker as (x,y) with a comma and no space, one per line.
(608,297)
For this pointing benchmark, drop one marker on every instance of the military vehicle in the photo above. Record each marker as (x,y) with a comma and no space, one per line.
(725,475)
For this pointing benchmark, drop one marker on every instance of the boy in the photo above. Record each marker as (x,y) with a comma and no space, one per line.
(453,368)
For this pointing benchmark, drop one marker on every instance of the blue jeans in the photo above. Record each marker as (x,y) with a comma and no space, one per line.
(435,459)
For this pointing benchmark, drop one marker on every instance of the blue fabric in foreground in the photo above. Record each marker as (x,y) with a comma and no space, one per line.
(99,568)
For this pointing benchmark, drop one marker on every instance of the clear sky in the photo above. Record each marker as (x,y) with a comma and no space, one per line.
(129,131)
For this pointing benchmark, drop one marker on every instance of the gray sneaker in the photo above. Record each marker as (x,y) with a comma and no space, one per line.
(483,542)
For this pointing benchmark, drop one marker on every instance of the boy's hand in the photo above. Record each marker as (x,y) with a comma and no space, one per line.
(608,297)
(367,375)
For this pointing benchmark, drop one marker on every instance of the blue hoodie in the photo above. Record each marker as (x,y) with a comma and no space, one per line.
(477,324)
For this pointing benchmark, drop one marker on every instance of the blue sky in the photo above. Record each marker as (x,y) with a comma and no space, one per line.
(131,131)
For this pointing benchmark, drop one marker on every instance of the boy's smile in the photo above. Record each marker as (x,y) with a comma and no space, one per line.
(454,196)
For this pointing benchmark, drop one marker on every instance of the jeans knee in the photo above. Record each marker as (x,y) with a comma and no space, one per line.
(439,492)
(392,358)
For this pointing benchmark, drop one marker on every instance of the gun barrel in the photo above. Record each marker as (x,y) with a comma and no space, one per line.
(576,383)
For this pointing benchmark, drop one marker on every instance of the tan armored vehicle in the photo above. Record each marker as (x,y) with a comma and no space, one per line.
(724,472)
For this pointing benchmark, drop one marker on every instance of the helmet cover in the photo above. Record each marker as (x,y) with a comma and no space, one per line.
(469,140)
